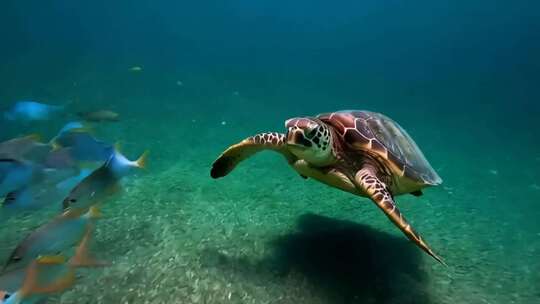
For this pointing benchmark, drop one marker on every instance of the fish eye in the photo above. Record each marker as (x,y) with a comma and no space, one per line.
(72,200)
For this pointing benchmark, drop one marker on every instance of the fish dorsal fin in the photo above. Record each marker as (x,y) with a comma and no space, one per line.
(29,282)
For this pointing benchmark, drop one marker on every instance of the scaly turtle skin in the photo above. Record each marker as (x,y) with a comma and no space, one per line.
(361,152)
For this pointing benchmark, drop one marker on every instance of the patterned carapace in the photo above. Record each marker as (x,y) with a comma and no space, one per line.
(379,134)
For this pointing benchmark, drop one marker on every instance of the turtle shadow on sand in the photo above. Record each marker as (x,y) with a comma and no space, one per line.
(345,261)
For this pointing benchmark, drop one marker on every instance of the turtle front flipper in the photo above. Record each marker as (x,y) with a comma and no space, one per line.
(231,157)
(368,182)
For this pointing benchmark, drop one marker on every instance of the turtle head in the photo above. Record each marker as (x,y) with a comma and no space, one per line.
(311,140)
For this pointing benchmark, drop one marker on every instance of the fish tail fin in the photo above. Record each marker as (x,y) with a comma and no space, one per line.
(30,285)
(61,284)
(3,294)
(82,258)
(142,161)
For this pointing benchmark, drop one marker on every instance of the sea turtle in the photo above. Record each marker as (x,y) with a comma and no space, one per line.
(361,152)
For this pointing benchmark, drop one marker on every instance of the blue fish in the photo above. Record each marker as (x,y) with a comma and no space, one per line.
(31,110)
(66,185)
(52,187)
(63,232)
(13,280)
(28,148)
(60,158)
(15,175)
(46,275)
(84,147)
(102,183)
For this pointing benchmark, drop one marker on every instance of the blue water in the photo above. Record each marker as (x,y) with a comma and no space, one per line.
(462,78)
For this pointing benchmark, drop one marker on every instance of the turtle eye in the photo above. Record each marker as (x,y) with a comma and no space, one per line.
(311,133)
(301,139)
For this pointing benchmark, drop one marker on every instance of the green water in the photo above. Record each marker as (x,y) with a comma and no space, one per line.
(263,234)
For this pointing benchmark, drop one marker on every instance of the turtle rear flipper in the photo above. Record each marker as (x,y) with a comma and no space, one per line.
(231,157)
(368,182)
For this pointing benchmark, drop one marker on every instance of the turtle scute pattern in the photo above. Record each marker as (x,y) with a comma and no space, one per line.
(372,131)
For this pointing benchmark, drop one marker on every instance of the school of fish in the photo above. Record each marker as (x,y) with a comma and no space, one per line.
(73,174)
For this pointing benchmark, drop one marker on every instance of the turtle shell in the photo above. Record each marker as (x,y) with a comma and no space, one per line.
(377,133)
